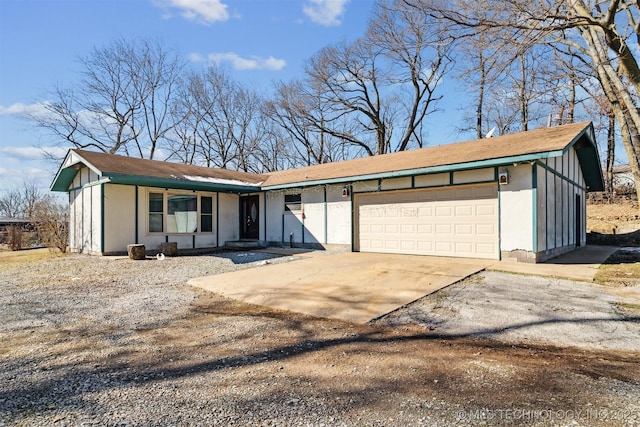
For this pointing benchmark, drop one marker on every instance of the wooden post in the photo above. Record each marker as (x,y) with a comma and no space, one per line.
(169,248)
(136,251)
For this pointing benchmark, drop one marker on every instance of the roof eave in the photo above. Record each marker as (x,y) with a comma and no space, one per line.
(421,171)
(588,155)
(179,184)
(66,173)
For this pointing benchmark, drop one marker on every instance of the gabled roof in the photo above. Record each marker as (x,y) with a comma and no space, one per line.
(489,152)
(129,170)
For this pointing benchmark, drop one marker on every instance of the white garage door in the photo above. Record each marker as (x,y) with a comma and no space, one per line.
(459,221)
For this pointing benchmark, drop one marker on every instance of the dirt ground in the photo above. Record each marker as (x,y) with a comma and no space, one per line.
(215,361)
(606,217)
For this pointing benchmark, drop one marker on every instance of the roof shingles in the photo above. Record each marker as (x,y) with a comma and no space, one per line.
(540,141)
(532,142)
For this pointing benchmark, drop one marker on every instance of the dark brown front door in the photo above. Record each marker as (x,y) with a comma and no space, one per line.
(250,217)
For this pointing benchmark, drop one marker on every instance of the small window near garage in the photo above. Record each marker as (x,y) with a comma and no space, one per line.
(156,212)
(292,202)
(206,214)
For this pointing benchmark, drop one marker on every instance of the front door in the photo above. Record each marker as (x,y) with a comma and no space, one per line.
(250,220)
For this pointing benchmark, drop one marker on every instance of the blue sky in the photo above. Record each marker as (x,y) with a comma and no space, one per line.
(260,41)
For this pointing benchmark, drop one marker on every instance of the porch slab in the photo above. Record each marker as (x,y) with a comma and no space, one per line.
(354,287)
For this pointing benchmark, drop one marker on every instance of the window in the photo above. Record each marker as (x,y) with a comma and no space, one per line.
(292,202)
(206,214)
(156,212)
(182,214)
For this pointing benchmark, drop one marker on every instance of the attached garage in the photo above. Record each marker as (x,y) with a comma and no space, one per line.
(459,221)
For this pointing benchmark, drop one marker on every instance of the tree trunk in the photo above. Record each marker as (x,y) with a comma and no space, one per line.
(611,144)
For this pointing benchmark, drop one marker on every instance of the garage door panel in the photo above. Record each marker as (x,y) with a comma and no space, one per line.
(464,230)
(464,248)
(488,210)
(449,221)
(425,228)
(425,212)
(408,245)
(486,230)
(485,249)
(464,210)
(408,229)
(443,211)
(443,229)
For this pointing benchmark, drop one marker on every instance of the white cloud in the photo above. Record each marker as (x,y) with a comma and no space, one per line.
(10,178)
(195,57)
(202,11)
(325,12)
(33,153)
(251,63)
(20,109)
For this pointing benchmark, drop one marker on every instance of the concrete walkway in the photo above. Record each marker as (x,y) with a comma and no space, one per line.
(581,264)
(359,287)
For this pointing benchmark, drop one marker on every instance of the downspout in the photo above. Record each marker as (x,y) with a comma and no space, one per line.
(101,218)
(137,217)
(534,190)
(497,178)
(325,217)
(217,219)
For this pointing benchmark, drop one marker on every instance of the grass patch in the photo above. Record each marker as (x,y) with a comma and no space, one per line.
(622,266)
(11,259)
(629,306)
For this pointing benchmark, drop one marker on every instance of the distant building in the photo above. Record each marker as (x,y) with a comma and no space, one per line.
(622,176)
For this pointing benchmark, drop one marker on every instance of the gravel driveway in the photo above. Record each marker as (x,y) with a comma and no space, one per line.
(518,308)
(98,341)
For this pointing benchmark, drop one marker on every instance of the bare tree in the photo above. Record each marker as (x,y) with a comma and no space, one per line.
(220,122)
(604,33)
(20,201)
(122,102)
(300,113)
(11,203)
(376,91)
(51,220)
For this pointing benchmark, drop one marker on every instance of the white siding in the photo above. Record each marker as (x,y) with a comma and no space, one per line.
(314,215)
(229,218)
(119,217)
(324,222)
(557,189)
(274,212)
(542,208)
(365,186)
(475,175)
(396,183)
(339,218)
(434,180)
(516,210)
(85,214)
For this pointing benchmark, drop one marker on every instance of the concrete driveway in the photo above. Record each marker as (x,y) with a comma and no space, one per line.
(355,287)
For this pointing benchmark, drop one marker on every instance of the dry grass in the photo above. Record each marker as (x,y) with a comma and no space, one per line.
(607,217)
(622,268)
(9,259)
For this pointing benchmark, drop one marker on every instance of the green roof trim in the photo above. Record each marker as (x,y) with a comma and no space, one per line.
(422,171)
(180,184)
(63,179)
(585,145)
(168,177)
